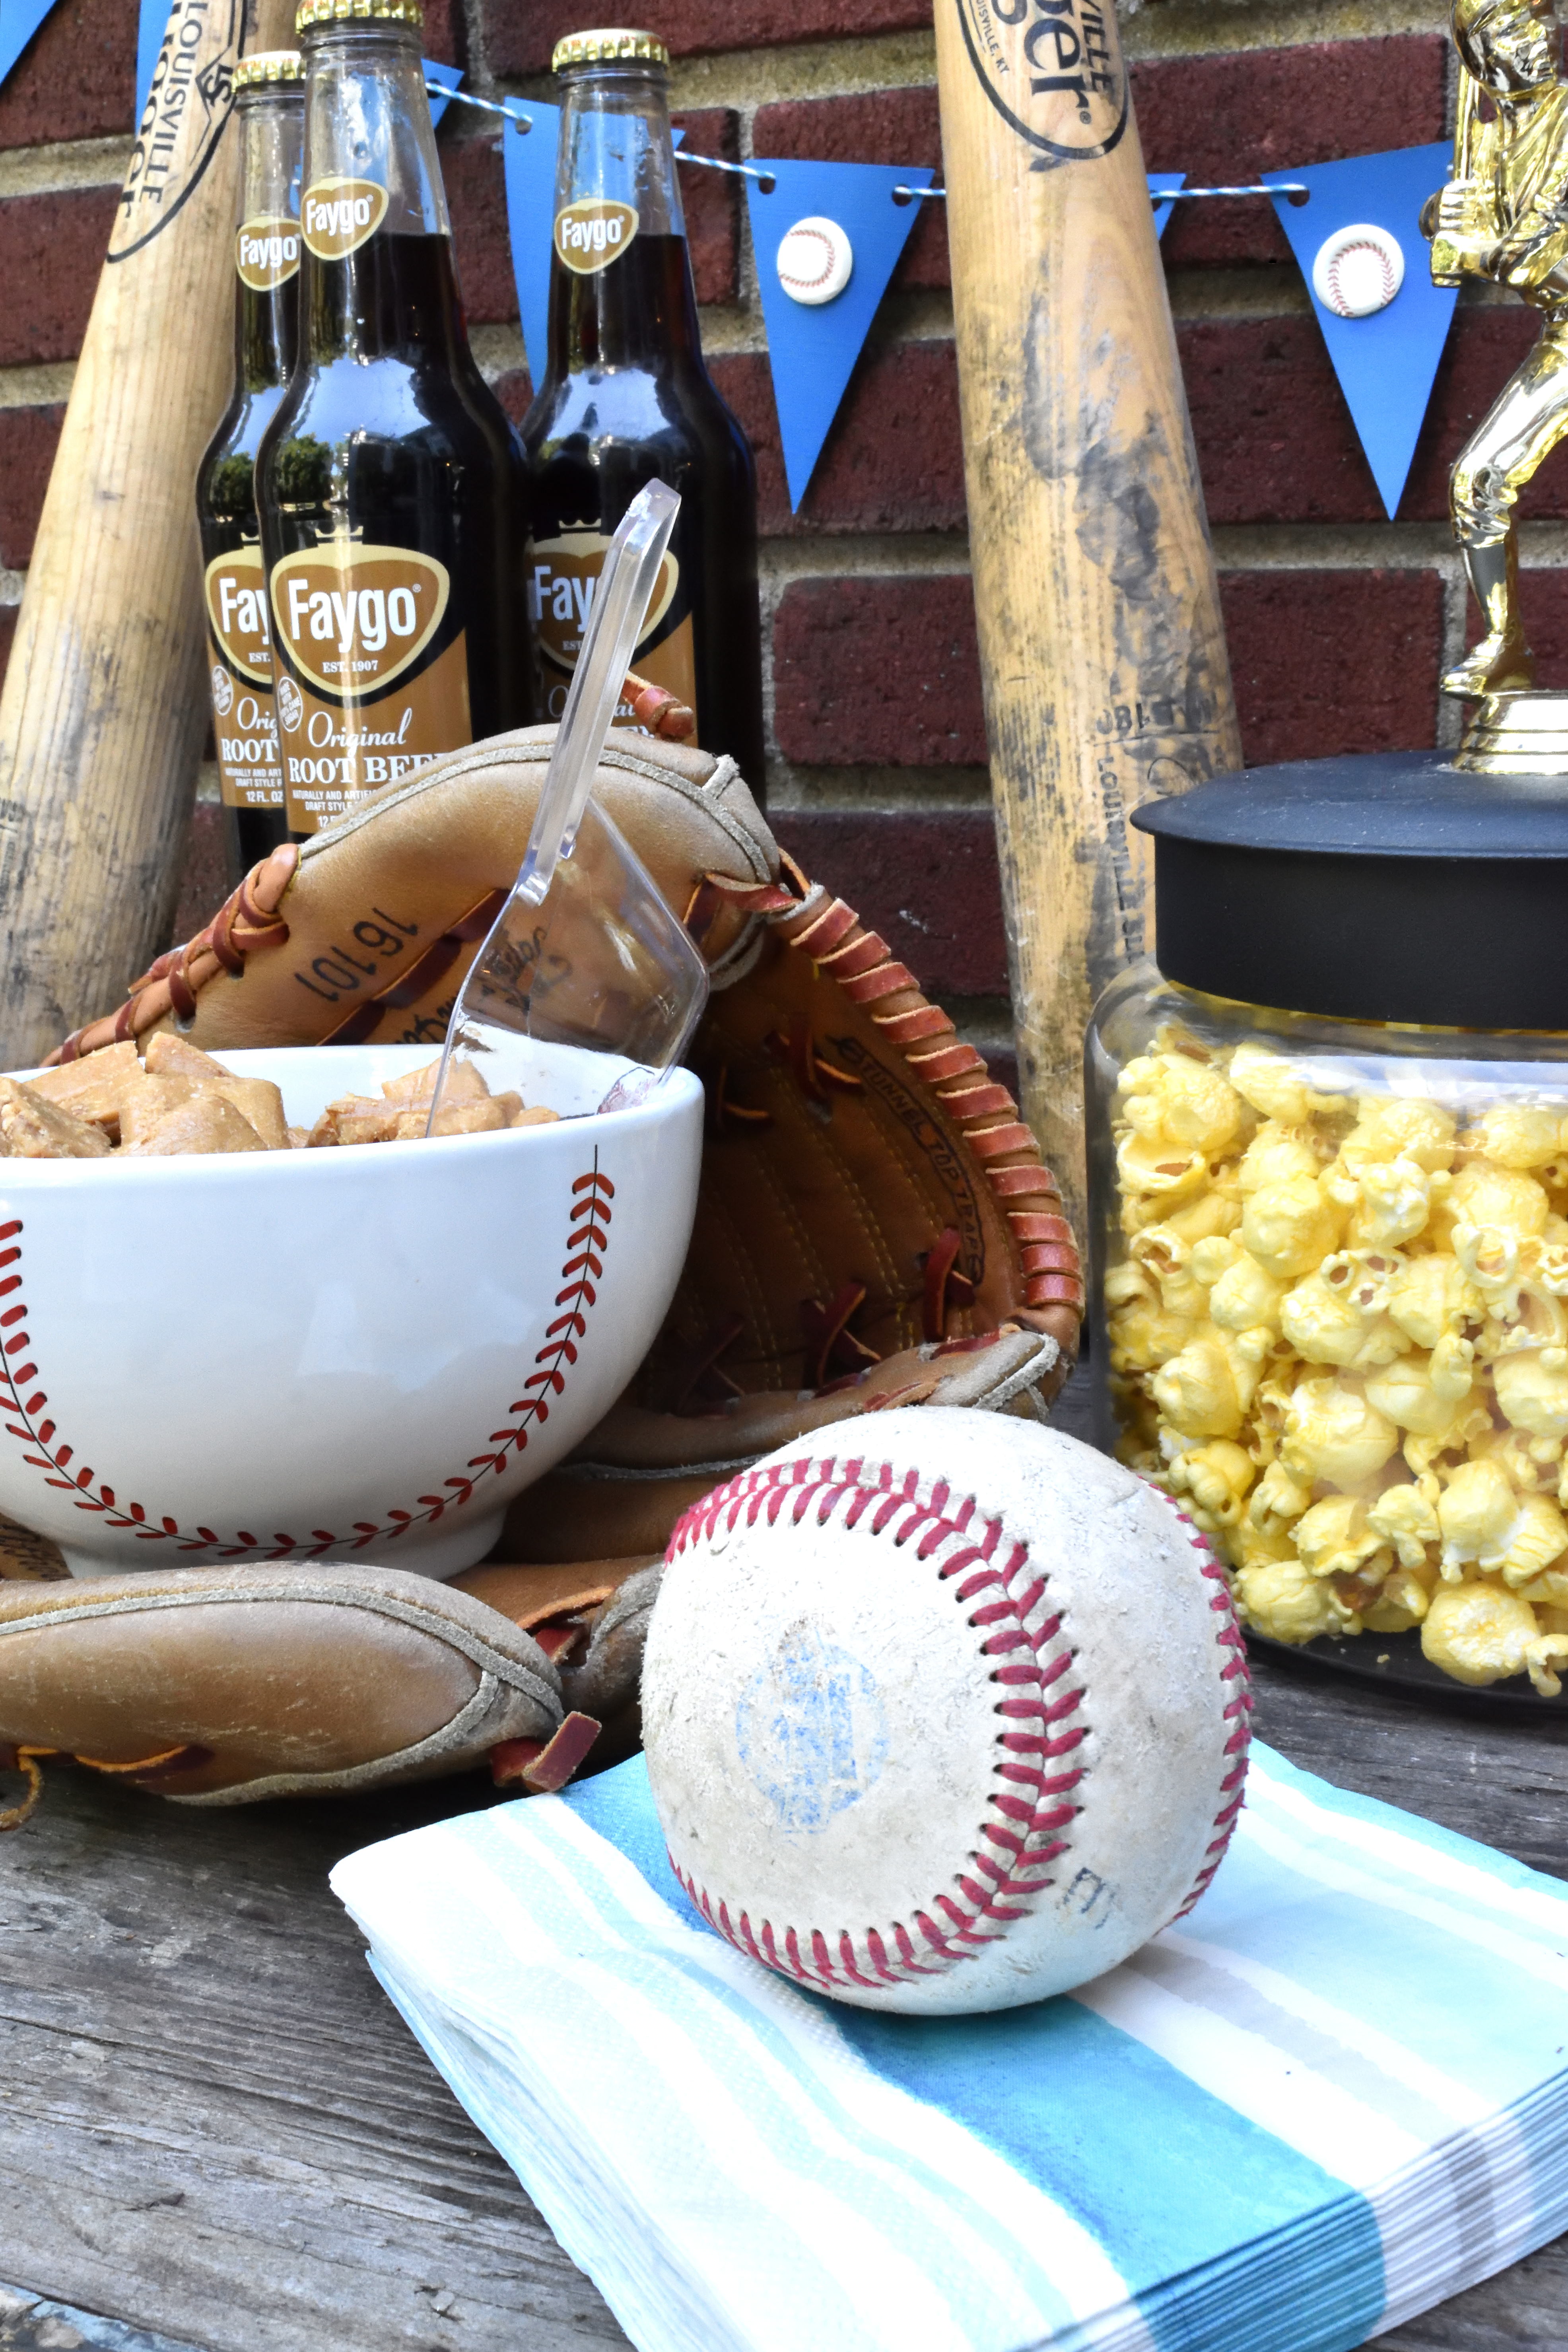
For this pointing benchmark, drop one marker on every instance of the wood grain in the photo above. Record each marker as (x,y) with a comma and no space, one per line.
(1102,653)
(102,715)
(215,2127)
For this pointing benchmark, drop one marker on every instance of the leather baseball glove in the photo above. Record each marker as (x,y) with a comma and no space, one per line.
(874,1228)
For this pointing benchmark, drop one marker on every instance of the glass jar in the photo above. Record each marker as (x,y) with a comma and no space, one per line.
(1330,1246)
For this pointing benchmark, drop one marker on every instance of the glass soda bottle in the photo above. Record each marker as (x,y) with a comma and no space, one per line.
(626,399)
(270,110)
(393,490)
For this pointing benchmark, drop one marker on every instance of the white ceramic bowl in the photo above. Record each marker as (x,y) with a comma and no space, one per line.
(353,1354)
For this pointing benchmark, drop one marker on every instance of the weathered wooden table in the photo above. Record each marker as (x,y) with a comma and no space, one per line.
(215,2128)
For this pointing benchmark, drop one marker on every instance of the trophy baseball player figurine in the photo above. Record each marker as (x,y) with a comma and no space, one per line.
(1504,215)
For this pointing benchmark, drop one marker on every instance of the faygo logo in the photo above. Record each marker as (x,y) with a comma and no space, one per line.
(354,617)
(339,215)
(594,232)
(266,251)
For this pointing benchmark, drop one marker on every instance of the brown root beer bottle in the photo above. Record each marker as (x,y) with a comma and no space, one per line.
(625,399)
(270,108)
(393,490)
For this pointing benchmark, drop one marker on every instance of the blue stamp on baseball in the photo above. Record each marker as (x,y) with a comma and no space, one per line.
(811,1730)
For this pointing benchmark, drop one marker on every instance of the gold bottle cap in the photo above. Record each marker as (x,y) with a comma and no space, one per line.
(616,47)
(268,65)
(313,14)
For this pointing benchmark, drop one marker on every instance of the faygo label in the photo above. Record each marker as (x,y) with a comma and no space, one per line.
(338,216)
(266,251)
(237,613)
(594,232)
(354,617)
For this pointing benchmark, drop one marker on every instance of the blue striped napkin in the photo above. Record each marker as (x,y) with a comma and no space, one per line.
(1333,2097)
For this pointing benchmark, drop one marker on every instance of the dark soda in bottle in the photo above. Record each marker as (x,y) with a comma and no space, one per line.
(393,490)
(627,400)
(269,112)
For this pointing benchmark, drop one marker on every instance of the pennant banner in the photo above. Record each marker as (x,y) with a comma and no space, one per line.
(19,20)
(1160,184)
(1358,240)
(447,75)
(828,238)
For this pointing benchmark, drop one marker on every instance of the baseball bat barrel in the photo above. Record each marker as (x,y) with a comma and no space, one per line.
(102,717)
(1102,653)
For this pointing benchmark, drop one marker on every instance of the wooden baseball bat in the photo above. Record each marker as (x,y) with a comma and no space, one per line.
(1102,653)
(102,717)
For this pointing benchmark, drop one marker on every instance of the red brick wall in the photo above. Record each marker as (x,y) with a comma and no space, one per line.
(1338,620)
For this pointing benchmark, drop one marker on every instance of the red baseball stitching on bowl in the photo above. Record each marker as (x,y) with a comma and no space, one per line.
(587,1243)
(1018,1836)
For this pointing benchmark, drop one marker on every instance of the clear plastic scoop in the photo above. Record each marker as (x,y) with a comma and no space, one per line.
(586,952)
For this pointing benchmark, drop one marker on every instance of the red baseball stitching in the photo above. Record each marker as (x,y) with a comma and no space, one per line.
(587,1243)
(1238,1714)
(1025,1813)
(1016,1823)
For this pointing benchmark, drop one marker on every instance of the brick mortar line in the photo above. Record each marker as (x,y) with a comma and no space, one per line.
(59,168)
(796,789)
(1185,28)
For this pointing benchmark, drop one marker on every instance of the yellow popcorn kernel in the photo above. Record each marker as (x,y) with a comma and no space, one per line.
(1471,1425)
(1333,1432)
(1152,1165)
(1196,1390)
(1394,1127)
(1476,1512)
(1276,1499)
(1274,1086)
(1164,1257)
(1214,1212)
(1217,1476)
(1276,1155)
(1547,1596)
(1198,1105)
(1126,1285)
(1484,1194)
(1537,1537)
(1402,1603)
(1429,1296)
(1214,1255)
(1286,1603)
(1334,1537)
(1531,1387)
(1549,1267)
(1478,1633)
(1289,1227)
(1143,1339)
(1334,1316)
(1406,1392)
(1406,1517)
(1394,1202)
(1493,1258)
(1515,1136)
(1245,1298)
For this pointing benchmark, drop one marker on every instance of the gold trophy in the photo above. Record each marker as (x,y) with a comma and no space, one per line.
(1504,215)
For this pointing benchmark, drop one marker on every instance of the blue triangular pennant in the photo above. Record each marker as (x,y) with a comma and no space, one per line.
(812,350)
(1160,184)
(152,24)
(1385,363)
(447,75)
(528,156)
(19,20)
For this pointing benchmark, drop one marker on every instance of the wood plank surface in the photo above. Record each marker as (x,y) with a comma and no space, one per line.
(213,2126)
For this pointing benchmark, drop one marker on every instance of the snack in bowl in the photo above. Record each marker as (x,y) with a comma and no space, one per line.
(179,1099)
(309,1354)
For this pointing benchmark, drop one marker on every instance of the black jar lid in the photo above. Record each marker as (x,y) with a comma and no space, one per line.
(1387,887)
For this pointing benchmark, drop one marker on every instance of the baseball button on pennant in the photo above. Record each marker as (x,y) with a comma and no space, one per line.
(951,1717)
(814,260)
(1359,270)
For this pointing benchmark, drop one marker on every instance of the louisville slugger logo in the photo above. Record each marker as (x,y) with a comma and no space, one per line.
(187,106)
(1052,69)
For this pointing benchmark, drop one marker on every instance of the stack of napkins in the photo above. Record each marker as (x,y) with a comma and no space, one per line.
(1335,2094)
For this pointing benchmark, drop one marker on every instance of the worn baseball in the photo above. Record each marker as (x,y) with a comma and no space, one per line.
(1358,270)
(816,260)
(950,1718)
